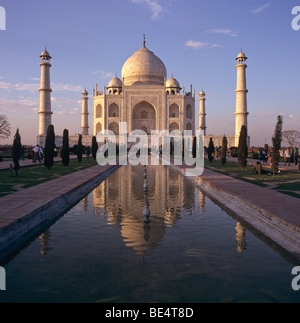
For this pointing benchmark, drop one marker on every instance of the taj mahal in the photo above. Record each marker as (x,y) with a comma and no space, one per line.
(144,98)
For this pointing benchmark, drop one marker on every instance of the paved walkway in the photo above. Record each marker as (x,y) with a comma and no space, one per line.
(275,214)
(28,209)
(26,162)
(291,168)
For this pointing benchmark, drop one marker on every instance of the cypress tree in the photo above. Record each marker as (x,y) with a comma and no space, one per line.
(277,140)
(65,152)
(79,149)
(194,147)
(49,147)
(94,147)
(16,153)
(211,150)
(243,148)
(224,150)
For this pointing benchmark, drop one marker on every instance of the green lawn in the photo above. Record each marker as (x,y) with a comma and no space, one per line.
(33,175)
(286,182)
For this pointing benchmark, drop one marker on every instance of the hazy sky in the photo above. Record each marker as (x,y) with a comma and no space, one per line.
(197,40)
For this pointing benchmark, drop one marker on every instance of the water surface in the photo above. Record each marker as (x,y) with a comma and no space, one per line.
(191,251)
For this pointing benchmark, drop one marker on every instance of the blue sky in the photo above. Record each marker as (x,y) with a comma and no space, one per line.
(197,40)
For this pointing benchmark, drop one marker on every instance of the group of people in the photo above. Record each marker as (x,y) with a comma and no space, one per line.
(290,155)
(264,156)
(37,154)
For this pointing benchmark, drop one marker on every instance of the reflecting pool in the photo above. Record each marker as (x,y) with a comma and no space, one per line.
(191,251)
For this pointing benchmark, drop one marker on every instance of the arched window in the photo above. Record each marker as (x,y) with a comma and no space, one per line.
(99,111)
(113,111)
(173,126)
(189,112)
(174,111)
(114,127)
(98,127)
(144,115)
(189,127)
(145,129)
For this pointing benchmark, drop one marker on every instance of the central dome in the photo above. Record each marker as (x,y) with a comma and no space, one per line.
(144,68)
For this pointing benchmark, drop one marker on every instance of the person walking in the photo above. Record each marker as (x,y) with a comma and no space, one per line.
(296,156)
(287,157)
(23,153)
(36,150)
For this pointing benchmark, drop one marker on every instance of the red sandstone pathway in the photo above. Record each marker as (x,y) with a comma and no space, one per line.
(281,205)
(15,206)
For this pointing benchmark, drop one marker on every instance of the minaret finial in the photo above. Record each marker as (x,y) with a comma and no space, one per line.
(144,40)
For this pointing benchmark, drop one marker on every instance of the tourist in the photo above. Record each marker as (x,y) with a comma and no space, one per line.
(88,152)
(41,154)
(36,151)
(287,157)
(257,168)
(296,156)
(262,155)
(23,153)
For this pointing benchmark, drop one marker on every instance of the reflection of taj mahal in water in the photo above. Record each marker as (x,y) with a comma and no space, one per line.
(120,202)
(171,196)
(144,99)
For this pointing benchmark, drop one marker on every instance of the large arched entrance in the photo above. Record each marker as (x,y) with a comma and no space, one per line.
(144,117)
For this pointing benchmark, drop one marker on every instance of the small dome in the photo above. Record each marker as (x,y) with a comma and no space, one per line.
(241,55)
(172,83)
(45,53)
(85,93)
(144,67)
(202,93)
(115,82)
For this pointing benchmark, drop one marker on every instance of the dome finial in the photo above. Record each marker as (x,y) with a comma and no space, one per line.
(144,40)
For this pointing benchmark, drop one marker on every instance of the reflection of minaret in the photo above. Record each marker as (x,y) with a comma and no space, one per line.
(45,240)
(45,112)
(241,238)
(85,204)
(201,201)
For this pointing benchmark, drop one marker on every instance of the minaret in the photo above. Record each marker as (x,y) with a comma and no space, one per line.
(202,114)
(85,114)
(45,112)
(241,113)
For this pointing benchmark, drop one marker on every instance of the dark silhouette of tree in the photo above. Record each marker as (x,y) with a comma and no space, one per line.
(49,148)
(94,147)
(292,137)
(79,149)
(243,148)
(277,140)
(211,150)
(224,150)
(194,147)
(65,151)
(4,127)
(16,152)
